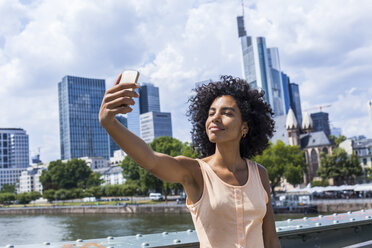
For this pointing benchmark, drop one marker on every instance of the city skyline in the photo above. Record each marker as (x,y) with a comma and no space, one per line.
(174,46)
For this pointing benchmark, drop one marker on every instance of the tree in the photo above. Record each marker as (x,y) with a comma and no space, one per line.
(27,197)
(49,194)
(339,166)
(283,160)
(6,198)
(8,188)
(72,174)
(338,140)
(146,180)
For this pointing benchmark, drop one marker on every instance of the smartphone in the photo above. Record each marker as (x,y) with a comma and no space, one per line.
(129,76)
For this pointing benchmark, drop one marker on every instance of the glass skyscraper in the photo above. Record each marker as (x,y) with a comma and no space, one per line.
(287,101)
(321,122)
(295,101)
(113,146)
(133,118)
(155,124)
(14,154)
(261,68)
(149,98)
(81,134)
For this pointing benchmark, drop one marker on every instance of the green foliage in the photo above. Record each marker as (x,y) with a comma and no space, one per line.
(8,188)
(369,173)
(317,183)
(339,166)
(27,197)
(145,180)
(63,194)
(72,174)
(283,160)
(338,140)
(6,198)
(49,194)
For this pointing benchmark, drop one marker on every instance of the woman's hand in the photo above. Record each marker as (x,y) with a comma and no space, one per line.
(117,100)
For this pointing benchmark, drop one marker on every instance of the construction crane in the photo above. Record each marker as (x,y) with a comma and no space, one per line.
(320,107)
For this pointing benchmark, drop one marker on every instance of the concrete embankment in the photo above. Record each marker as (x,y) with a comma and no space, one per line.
(334,207)
(328,206)
(129,209)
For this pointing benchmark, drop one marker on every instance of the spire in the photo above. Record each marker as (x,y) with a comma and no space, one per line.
(243,8)
(307,122)
(291,122)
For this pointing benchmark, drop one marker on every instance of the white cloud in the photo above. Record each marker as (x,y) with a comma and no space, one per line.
(324,47)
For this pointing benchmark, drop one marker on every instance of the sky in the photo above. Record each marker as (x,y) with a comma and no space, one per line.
(324,47)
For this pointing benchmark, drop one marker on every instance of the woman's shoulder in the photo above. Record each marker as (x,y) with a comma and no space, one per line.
(260,167)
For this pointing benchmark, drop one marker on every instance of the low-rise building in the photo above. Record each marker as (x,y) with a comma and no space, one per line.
(96,162)
(30,179)
(360,146)
(119,156)
(111,175)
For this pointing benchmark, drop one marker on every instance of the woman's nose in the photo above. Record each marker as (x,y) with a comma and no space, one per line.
(216,117)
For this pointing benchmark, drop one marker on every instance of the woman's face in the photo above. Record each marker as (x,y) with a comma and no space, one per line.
(224,123)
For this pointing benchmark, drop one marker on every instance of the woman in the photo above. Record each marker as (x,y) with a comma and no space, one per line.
(228,195)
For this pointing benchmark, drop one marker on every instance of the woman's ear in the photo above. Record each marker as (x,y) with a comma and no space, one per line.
(245,128)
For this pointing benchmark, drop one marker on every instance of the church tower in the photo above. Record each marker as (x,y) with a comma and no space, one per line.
(292,129)
(307,123)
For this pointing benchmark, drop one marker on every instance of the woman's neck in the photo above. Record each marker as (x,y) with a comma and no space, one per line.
(228,156)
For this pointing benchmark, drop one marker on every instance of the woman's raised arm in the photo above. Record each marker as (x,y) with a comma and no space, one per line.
(117,100)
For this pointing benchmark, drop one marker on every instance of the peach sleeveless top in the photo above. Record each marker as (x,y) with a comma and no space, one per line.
(230,216)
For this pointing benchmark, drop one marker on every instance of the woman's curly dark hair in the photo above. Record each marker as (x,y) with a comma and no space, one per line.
(255,111)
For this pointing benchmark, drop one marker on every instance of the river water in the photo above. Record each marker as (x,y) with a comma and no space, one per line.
(33,229)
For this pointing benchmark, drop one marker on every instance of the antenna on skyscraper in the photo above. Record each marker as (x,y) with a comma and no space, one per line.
(243,8)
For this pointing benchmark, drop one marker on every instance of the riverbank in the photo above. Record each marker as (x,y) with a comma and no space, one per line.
(100,209)
(328,206)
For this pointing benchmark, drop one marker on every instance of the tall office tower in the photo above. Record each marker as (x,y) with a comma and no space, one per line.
(81,134)
(295,101)
(370,112)
(133,118)
(113,146)
(287,100)
(261,68)
(321,122)
(14,154)
(149,98)
(155,124)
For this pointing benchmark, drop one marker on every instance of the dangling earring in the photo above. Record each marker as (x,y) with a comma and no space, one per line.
(244,134)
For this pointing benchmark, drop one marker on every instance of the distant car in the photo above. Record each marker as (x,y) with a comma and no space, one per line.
(156,197)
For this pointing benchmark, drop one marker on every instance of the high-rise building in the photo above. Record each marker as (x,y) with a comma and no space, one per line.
(133,118)
(113,146)
(155,124)
(261,68)
(14,154)
(321,122)
(81,134)
(370,112)
(295,101)
(287,100)
(149,98)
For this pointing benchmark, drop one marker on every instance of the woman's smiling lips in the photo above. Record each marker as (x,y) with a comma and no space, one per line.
(215,128)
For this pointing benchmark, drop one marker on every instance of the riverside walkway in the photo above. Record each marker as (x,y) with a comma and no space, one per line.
(353,229)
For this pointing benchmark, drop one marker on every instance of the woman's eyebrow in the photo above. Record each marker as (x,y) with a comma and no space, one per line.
(228,108)
(223,109)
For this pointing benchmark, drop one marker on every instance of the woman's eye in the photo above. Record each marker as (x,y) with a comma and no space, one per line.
(211,113)
(228,113)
